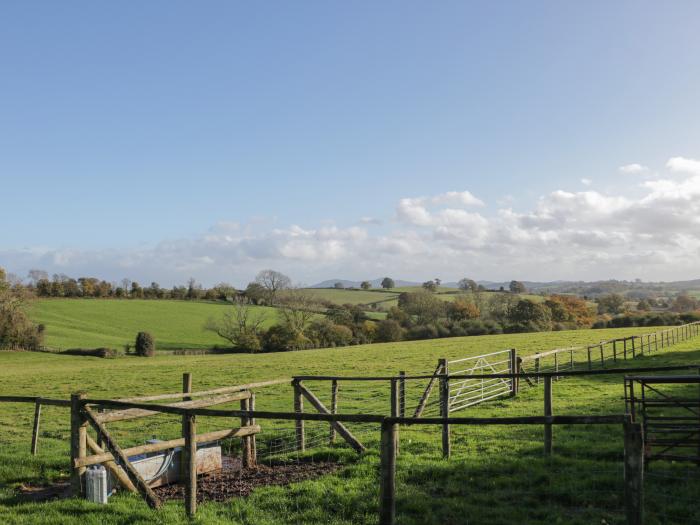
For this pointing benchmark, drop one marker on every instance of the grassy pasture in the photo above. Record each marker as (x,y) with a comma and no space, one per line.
(493,477)
(87,323)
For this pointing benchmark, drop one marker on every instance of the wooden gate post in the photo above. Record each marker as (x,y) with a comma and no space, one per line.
(394,396)
(78,443)
(246,449)
(334,408)
(513,370)
(387,486)
(299,409)
(35,429)
(190,461)
(402,393)
(547,413)
(445,407)
(634,473)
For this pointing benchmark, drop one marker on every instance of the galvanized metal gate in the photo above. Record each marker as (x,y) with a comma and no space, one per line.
(469,392)
(669,409)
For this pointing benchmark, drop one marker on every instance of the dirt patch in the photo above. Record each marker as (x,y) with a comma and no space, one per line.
(234,482)
(26,492)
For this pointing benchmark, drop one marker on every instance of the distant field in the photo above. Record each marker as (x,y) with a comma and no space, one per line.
(346,296)
(87,323)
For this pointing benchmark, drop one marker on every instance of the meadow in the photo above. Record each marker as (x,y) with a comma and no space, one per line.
(497,474)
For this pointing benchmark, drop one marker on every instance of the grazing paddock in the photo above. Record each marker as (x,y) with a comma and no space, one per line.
(496,474)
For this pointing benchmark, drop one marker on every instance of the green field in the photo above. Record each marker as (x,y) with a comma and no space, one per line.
(86,323)
(497,474)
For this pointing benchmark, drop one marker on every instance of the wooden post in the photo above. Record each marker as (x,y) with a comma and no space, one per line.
(110,465)
(245,442)
(78,443)
(634,473)
(402,393)
(35,429)
(537,370)
(548,412)
(656,341)
(253,442)
(445,408)
(624,347)
(614,350)
(394,396)
(186,389)
(299,409)
(590,363)
(556,365)
(513,370)
(602,356)
(633,352)
(387,487)
(190,461)
(334,407)
(121,460)
(571,359)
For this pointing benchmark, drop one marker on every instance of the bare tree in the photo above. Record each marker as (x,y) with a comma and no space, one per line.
(273,282)
(297,308)
(241,325)
(37,275)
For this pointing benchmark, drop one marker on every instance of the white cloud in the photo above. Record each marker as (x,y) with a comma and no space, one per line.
(586,182)
(650,230)
(633,168)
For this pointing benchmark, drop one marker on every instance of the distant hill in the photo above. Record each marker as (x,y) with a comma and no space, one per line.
(376,283)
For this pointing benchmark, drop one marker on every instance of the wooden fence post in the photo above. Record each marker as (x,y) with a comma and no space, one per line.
(253,442)
(190,460)
(445,407)
(602,356)
(245,421)
(402,393)
(394,396)
(387,487)
(548,412)
(78,443)
(186,389)
(624,347)
(334,408)
(35,429)
(513,370)
(299,409)
(590,363)
(633,352)
(634,473)
(537,370)
(656,341)
(614,350)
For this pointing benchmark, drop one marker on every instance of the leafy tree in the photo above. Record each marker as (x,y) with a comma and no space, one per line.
(529,316)
(256,293)
(684,303)
(644,305)
(365,285)
(388,283)
(570,310)
(611,304)
(431,286)
(389,331)
(338,285)
(194,290)
(461,309)
(422,305)
(37,275)
(468,285)
(16,328)
(136,291)
(517,287)
(281,338)
(145,344)
(296,309)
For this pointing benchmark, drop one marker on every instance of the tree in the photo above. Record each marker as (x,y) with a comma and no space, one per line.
(388,331)
(468,285)
(437,281)
(37,275)
(517,287)
(684,303)
(145,344)
(611,304)
(273,282)
(241,326)
(529,316)
(297,308)
(431,286)
(422,305)
(643,305)
(255,293)
(16,328)
(136,291)
(365,285)
(194,290)
(570,310)
(388,283)
(338,285)
(461,309)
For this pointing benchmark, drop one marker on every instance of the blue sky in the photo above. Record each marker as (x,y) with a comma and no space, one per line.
(220,138)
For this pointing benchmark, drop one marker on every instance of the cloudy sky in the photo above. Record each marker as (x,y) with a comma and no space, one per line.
(163,140)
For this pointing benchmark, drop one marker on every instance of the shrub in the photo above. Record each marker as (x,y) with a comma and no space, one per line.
(422,331)
(106,353)
(325,333)
(280,338)
(145,345)
(389,331)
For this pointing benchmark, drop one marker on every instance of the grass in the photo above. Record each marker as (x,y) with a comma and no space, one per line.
(86,323)
(497,474)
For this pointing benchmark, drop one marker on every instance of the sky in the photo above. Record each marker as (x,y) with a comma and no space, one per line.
(164,140)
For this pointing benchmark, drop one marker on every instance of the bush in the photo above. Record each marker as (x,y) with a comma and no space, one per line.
(280,338)
(106,353)
(249,342)
(145,345)
(325,333)
(389,331)
(422,331)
